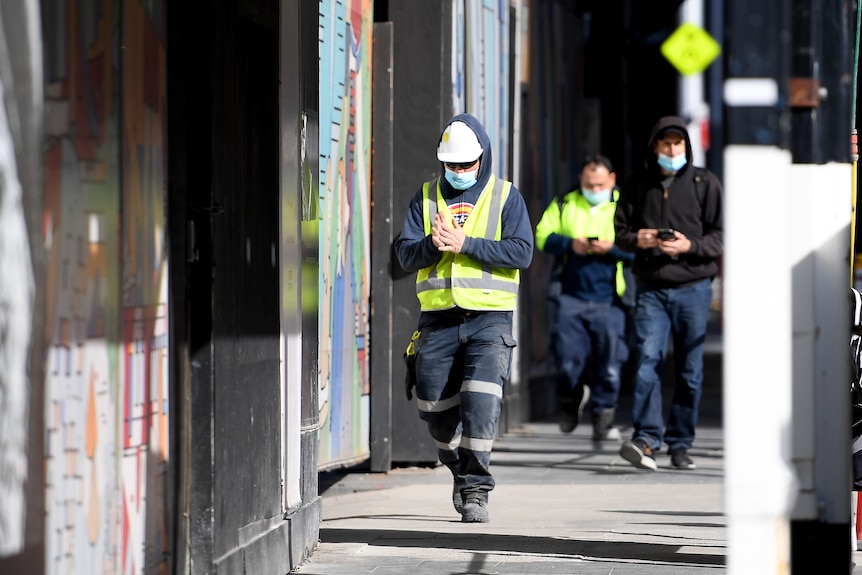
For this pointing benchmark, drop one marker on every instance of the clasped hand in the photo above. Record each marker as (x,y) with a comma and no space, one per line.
(447,238)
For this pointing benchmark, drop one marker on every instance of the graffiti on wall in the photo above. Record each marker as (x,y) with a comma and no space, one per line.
(106,410)
(345,259)
(480,85)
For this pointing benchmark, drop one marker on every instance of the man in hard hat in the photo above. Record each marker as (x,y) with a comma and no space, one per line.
(466,234)
(590,322)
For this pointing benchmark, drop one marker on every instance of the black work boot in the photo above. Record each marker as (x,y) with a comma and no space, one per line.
(475,508)
(603,426)
(572,407)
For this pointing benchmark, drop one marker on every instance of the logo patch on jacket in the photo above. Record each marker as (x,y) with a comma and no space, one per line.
(460,211)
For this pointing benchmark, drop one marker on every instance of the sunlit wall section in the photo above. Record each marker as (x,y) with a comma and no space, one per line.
(481,70)
(345,140)
(143,412)
(105,406)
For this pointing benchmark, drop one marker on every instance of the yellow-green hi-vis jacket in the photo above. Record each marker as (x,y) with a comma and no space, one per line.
(578,219)
(456,279)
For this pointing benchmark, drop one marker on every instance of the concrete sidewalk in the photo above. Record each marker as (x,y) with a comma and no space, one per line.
(563,504)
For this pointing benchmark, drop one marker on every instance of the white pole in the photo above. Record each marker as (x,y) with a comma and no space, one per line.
(759,481)
(692,105)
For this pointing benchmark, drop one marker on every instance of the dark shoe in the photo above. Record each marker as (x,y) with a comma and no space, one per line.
(638,453)
(572,407)
(456,498)
(603,426)
(475,509)
(679,458)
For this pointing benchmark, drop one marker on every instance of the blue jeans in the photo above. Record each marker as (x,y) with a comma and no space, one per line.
(681,312)
(462,360)
(586,328)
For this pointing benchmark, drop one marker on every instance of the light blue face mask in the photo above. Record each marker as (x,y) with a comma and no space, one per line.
(672,164)
(461,180)
(596,197)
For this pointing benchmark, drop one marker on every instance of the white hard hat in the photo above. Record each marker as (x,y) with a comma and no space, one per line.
(458,144)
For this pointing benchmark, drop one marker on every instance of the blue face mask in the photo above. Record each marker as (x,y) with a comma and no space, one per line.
(596,197)
(672,164)
(461,180)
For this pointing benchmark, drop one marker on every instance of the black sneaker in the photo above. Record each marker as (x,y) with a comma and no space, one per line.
(571,408)
(679,458)
(456,498)
(475,509)
(638,453)
(603,426)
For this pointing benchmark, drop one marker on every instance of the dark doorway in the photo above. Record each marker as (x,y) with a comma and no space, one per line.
(224,226)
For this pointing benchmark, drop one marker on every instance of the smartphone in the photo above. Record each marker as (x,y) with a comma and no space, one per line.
(666,234)
(593,239)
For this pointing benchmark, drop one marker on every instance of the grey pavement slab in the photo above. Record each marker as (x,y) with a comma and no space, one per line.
(563,504)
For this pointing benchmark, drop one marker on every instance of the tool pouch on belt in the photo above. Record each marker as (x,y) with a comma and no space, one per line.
(410,360)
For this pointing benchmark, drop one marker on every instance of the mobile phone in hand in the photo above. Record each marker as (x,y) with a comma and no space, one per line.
(593,239)
(666,234)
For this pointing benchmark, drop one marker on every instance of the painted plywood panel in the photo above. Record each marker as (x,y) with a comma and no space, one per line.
(106,410)
(345,252)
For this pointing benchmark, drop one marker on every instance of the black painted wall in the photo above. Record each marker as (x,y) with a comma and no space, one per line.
(225,178)
(421,31)
(246,306)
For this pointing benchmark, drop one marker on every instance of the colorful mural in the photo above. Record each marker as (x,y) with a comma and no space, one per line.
(345,243)
(480,85)
(106,407)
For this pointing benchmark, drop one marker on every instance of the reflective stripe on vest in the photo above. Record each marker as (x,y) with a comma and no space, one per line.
(457,280)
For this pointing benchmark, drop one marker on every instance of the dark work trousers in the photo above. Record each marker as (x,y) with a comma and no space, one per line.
(462,360)
(586,328)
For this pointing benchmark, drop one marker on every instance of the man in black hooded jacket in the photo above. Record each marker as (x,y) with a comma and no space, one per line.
(671,215)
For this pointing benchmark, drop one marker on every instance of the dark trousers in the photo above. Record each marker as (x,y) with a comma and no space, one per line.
(462,360)
(590,330)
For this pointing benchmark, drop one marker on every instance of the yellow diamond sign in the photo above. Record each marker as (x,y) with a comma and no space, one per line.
(690,49)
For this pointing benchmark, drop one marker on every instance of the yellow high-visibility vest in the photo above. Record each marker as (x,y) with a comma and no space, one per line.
(457,280)
(574,217)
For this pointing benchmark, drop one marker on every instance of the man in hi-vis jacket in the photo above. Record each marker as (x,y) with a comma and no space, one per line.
(466,234)
(590,322)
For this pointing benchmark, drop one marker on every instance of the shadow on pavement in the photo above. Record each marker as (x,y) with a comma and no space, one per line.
(490,543)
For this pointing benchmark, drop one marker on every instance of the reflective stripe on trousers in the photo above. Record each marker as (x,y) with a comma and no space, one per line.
(463,358)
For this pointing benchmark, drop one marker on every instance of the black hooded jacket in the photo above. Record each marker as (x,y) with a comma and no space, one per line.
(644,203)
